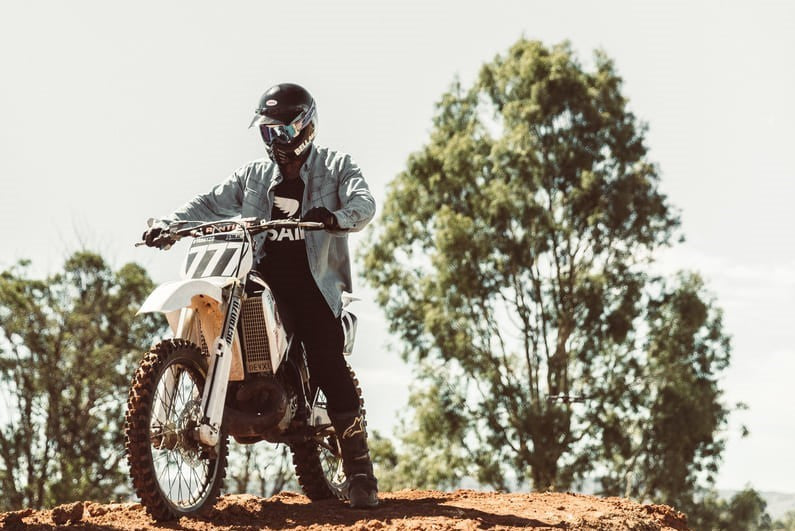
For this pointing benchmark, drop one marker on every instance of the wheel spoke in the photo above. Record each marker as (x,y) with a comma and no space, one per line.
(180,497)
(195,475)
(170,479)
(169,400)
(176,394)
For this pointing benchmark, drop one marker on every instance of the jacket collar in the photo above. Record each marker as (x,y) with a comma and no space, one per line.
(303,173)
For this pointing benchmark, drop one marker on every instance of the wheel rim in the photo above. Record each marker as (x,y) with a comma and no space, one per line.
(331,462)
(184,469)
(330,456)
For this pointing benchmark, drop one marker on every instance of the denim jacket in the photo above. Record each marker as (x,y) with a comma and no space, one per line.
(331,179)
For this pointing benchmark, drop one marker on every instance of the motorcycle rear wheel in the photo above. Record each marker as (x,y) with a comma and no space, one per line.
(173,474)
(318,462)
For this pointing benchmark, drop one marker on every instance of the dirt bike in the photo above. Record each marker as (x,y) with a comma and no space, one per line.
(232,368)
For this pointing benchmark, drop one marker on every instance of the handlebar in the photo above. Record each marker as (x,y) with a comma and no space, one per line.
(252,225)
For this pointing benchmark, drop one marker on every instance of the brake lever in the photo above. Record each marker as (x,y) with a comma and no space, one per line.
(164,248)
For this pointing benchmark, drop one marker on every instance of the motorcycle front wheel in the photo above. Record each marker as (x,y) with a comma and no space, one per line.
(173,473)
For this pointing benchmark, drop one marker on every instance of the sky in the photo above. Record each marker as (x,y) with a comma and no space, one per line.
(112,112)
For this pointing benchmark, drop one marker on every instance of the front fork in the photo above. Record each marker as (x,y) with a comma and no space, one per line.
(214,396)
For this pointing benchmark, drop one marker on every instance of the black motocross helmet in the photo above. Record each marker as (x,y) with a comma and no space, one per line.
(287,120)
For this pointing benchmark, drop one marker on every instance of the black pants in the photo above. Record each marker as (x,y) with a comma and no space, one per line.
(310,318)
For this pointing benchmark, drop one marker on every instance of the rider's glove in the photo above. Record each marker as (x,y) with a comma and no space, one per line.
(322,215)
(158,236)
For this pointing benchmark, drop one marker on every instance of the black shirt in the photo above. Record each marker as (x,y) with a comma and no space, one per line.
(285,249)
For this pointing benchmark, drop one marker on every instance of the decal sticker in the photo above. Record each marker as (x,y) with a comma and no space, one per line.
(287,205)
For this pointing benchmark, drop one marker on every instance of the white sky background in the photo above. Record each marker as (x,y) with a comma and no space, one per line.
(113,112)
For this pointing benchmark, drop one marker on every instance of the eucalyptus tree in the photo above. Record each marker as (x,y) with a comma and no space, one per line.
(513,258)
(68,347)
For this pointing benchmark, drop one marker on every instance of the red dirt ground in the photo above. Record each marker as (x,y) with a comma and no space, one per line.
(408,509)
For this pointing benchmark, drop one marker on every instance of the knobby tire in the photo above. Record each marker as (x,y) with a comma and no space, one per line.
(308,465)
(137,430)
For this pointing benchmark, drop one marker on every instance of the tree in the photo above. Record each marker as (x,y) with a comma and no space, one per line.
(786,523)
(745,511)
(513,259)
(68,348)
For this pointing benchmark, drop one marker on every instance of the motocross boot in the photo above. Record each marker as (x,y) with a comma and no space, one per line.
(361,484)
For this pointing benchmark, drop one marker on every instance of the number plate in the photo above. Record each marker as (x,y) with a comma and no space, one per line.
(218,255)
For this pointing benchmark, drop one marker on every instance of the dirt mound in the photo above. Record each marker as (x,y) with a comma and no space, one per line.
(407,509)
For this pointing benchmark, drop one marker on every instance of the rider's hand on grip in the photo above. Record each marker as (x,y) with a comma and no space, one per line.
(322,215)
(158,236)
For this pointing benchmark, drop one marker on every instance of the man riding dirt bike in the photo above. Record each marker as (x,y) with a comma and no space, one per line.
(306,270)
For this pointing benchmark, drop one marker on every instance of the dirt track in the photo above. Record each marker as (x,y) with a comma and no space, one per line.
(459,510)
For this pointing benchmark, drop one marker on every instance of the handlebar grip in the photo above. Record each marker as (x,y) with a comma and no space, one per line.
(311,225)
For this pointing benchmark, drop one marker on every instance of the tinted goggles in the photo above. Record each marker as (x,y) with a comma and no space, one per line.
(284,133)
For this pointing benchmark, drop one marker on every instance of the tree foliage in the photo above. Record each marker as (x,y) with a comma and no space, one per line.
(68,345)
(513,259)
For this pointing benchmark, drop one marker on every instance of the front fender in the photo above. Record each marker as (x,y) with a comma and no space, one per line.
(177,294)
